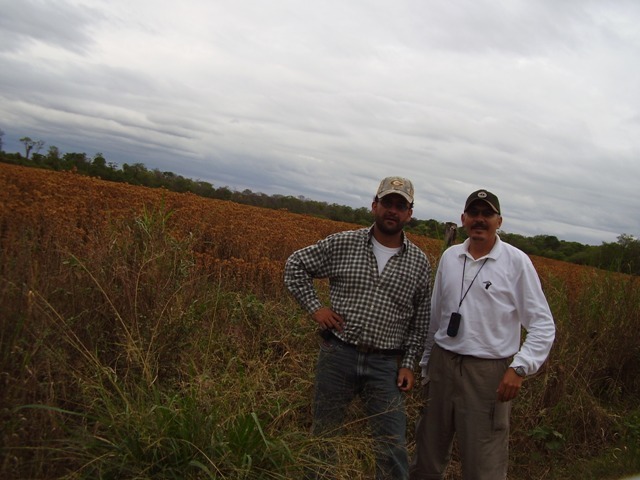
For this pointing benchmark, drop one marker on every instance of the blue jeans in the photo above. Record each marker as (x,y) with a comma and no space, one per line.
(342,373)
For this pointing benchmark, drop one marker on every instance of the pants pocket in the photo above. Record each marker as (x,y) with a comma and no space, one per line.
(500,416)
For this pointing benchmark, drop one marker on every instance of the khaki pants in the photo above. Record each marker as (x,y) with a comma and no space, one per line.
(460,399)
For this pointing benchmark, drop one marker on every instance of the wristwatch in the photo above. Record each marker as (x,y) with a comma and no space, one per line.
(520,371)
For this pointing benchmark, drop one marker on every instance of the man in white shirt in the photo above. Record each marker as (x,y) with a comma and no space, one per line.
(473,365)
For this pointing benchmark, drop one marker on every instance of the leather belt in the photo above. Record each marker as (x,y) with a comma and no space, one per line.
(328,335)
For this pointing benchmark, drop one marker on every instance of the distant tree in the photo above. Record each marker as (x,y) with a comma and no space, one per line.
(627,241)
(363,216)
(569,249)
(519,241)
(99,161)
(204,189)
(546,242)
(38,159)
(630,253)
(100,168)
(223,193)
(429,228)
(621,256)
(31,145)
(136,174)
(52,159)
(37,146)
(76,161)
(28,146)
(1,135)
(182,184)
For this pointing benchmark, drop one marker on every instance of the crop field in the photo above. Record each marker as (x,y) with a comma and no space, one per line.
(148,334)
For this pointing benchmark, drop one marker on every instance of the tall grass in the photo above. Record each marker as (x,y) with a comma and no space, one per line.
(152,346)
(580,415)
(129,361)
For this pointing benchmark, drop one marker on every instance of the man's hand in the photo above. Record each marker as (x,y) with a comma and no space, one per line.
(405,379)
(509,386)
(328,319)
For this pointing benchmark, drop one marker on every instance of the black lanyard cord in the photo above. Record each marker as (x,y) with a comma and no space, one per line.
(464,266)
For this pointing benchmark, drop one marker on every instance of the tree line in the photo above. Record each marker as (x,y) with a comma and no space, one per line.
(620,256)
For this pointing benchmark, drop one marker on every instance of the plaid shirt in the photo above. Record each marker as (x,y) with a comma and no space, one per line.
(387,311)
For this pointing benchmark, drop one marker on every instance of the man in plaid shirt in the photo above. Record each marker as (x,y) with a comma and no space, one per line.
(376,325)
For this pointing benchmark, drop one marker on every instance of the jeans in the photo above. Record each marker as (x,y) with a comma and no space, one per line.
(342,373)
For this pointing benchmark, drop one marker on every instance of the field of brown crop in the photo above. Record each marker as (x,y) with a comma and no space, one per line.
(578,405)
(246,245)
(232,238)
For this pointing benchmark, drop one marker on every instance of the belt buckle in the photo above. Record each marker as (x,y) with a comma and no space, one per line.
(365,349)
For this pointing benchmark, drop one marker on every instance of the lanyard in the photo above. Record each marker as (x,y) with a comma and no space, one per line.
(462,297)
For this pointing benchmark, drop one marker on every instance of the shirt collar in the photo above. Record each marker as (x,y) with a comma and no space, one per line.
(405,240)
(493,254)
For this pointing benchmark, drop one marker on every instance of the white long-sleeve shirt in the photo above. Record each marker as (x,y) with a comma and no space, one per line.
(505,296)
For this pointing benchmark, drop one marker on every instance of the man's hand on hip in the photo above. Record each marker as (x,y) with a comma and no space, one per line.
(328,319)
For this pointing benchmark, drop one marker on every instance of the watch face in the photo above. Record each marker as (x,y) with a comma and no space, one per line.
(520,371)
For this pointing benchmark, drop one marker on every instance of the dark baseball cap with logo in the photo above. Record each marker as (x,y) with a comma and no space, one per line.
(485,196)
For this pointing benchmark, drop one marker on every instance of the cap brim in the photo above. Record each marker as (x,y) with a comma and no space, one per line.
(389,192)
(493,207)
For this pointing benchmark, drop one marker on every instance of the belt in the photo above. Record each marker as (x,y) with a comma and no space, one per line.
(328,335)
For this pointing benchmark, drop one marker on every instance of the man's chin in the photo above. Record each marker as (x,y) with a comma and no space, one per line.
(478,235)
(390,228)
(391,223)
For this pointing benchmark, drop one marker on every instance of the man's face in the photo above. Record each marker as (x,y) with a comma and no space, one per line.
(480,221)
(392,212)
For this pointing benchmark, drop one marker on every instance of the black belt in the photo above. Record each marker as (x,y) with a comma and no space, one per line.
(328,335)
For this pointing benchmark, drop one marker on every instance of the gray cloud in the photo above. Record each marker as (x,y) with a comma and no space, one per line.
(536,101)
(29,23)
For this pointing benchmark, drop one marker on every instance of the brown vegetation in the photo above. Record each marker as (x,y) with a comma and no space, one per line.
(580,406)
(246,245)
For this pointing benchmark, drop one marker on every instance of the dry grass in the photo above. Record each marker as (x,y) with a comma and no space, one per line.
(145,333)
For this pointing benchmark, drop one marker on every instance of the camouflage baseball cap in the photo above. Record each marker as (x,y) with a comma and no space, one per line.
(399,185)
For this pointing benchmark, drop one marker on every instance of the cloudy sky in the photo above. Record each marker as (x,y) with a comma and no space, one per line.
(535,100)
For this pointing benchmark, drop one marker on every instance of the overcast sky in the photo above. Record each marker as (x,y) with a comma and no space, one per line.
(537,101)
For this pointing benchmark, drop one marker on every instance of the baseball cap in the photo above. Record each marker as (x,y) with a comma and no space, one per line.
(399,185)
(485,196)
